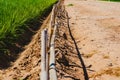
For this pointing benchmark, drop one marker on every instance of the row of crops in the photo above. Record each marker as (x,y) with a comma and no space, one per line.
(113,0)
(14,14)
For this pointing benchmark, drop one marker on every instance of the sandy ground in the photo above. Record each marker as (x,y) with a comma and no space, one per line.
(96,27)
(90,48)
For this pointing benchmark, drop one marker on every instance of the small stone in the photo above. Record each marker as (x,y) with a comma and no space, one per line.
(110,64)
(92,40)
(14,67)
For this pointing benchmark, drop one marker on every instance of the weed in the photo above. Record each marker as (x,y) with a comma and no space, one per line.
(106,56)
(70,4)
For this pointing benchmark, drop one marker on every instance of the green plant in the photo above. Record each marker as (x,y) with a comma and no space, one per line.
(70,4)
(113,0)
(13,17)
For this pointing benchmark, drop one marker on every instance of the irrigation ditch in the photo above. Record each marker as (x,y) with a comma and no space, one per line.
(56,43)
(48,69)
(52,53)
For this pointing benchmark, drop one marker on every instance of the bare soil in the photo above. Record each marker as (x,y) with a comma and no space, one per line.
(87,48)
(96,27)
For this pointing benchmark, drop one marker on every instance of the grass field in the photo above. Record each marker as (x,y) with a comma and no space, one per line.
(113,0)
(14,14)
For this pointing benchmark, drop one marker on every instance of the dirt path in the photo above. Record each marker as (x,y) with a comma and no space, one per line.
(95,26)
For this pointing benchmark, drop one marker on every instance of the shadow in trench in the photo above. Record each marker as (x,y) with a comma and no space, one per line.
(78,52)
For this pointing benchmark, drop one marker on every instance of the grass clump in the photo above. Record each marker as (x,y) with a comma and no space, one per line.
(106,56)
(70,4)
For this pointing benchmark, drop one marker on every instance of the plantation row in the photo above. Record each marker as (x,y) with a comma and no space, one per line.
(15,13)
(114,0)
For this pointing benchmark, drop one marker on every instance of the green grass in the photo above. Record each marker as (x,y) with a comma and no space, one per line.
(15,13)
(113,0)
(70,4)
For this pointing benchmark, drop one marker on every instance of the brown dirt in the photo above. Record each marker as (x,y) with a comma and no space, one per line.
(96,25)
(88,47)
